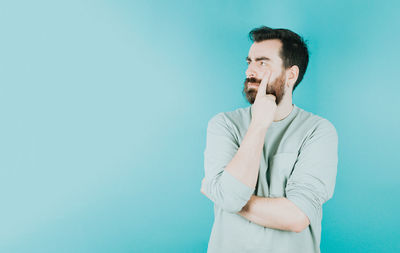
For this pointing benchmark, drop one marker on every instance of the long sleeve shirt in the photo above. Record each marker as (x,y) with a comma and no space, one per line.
(298,161)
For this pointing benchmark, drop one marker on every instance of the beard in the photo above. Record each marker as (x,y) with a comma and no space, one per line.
(276,88)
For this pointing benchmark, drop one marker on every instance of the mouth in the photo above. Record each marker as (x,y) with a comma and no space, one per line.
(253,84)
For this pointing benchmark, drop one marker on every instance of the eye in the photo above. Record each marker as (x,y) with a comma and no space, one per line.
(263,63)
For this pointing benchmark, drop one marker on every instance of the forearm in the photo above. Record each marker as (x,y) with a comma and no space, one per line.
(276,213)
(245,164)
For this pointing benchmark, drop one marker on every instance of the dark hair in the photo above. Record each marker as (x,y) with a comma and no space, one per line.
(294,49)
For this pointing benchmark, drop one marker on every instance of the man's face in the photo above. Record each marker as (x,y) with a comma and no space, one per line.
(264,56)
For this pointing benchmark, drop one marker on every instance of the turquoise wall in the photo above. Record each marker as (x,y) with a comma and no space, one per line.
(104,107)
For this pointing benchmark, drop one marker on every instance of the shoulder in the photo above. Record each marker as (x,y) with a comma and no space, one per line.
(317,129)
(314,122)
(231,119)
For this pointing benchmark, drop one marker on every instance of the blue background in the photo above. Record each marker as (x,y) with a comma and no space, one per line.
(104,107)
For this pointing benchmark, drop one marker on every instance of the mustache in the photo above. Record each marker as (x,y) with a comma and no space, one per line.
(252,80)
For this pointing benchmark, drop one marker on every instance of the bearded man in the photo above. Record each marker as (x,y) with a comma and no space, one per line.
(271,166)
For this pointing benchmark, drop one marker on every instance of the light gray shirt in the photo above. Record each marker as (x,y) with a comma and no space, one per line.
(298,161)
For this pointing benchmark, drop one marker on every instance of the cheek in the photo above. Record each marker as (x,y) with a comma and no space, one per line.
(275,76)
(282,86)
(260,73)
(274,81)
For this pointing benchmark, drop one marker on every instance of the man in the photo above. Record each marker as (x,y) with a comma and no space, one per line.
(270,167)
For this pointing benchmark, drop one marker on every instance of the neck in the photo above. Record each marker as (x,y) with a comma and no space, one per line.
(284,108)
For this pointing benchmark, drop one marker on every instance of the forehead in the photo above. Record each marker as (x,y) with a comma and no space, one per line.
(266,48)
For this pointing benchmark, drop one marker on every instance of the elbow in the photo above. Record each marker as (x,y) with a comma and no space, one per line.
(231,202)
(299,225)
(297,229)
(226,205)
(233,207)
(227,192)
(228,202)
(299,220)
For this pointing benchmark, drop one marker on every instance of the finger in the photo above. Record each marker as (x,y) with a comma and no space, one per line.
(271,96)
(262,89)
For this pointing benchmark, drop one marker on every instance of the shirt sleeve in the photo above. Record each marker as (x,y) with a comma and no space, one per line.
(312,181)
(219,185)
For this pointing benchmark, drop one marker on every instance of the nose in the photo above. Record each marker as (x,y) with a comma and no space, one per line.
(250,71)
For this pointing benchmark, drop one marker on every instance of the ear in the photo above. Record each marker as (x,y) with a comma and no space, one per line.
(292,74)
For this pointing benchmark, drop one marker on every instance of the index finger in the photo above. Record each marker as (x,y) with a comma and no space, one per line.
(262,89)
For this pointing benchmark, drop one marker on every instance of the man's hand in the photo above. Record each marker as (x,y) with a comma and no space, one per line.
(264,107)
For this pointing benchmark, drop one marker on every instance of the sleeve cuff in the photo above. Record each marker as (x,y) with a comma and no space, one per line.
(237,194)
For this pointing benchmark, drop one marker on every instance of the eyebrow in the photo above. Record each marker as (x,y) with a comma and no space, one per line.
(259,58)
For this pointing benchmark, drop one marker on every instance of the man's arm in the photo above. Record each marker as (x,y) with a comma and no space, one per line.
(231,170)
(277,213)
(246,163)
(232,186)
(310,185)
